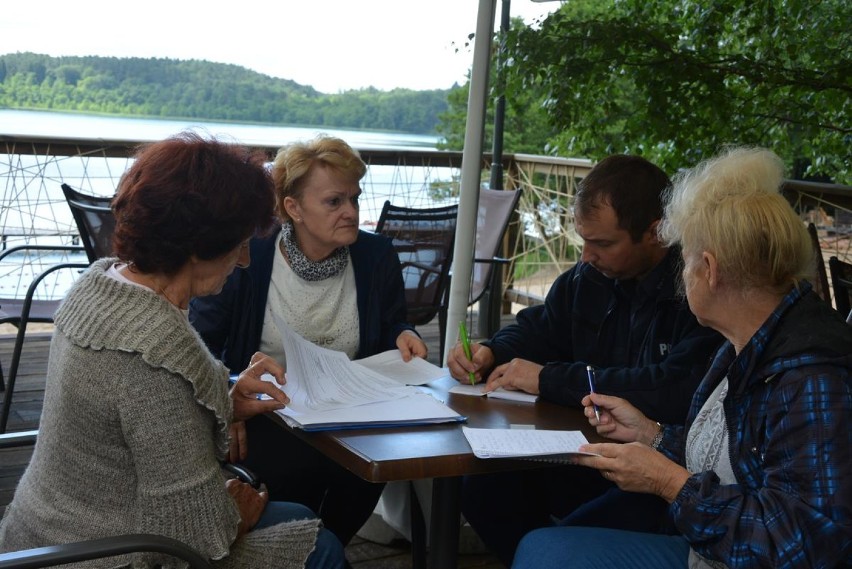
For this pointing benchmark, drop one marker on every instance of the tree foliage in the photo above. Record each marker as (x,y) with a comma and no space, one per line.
(526,128)
(675,80)
(203,90)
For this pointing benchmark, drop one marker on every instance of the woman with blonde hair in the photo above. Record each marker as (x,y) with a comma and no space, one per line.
(760,474)
(337,286)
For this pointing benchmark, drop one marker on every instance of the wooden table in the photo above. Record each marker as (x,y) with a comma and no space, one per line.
(440,452)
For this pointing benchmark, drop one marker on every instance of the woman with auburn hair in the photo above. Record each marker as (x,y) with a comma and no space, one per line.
(137,411)
(338,287)
(760,474)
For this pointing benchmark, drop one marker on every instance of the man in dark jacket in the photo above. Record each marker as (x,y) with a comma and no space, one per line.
(619,311)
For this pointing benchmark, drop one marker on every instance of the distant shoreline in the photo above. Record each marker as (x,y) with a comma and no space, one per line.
(191,119)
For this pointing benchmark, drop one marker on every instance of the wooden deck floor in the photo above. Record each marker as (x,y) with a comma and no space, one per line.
(26,410)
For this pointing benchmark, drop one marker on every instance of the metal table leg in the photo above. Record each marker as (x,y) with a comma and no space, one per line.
(446,519)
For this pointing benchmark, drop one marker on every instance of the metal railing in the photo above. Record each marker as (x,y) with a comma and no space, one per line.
(33,209)
(540,242)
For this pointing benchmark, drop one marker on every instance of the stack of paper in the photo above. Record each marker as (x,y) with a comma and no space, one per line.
(329,391)
(416,409)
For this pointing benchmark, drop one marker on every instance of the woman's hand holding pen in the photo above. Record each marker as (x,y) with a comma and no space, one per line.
(244,392)
(482,359)
(634,466)
(620,421)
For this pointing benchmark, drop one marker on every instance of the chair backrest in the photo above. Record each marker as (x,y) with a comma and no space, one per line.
(492,219)
(94,219)
(423,239)
(841,283)
(820,280)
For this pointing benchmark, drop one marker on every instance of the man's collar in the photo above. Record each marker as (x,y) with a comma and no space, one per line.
(656,278)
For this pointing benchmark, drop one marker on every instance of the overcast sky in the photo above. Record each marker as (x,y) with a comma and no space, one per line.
(331,45)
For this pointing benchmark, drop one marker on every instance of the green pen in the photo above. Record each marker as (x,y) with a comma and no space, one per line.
(465,342)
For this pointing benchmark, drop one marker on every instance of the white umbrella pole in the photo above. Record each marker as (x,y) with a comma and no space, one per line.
(470,173)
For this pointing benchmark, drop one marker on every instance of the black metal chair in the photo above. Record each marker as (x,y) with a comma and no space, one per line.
(22,311)
(95,224)
(820,281)
(423,239)
(95,221)
(841,283)
(495,210)
(54,555)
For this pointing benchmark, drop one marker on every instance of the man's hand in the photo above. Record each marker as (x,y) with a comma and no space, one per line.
(482,360)
(517,375)
(244,393)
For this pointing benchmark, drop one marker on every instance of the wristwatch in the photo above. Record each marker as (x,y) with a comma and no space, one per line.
(658,438)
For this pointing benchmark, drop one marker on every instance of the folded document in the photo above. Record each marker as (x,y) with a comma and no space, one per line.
(478,390)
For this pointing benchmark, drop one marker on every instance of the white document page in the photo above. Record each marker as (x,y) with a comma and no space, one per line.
(319,379)
(478,390)
(416,371)
(504,443)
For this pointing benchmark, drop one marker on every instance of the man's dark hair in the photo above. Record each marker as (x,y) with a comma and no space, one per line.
(632,186)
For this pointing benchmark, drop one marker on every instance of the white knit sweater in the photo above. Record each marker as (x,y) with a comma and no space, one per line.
(135,421)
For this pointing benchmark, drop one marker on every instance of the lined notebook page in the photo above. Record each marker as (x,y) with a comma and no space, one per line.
(522,443)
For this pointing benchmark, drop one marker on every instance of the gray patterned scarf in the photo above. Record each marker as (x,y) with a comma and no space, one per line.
(304,267)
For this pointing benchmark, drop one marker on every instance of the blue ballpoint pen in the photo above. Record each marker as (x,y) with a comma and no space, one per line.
(591,373)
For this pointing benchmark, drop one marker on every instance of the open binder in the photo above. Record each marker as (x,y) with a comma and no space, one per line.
(328,391)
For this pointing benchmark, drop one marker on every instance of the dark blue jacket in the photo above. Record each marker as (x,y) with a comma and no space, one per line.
(231,322)
(645,344)
(789,416)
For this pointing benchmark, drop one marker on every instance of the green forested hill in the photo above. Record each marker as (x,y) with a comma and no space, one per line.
(204,90)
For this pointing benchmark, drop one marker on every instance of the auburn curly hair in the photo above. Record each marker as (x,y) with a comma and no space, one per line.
(186,196)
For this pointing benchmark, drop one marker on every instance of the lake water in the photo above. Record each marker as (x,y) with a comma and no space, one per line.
(72,125)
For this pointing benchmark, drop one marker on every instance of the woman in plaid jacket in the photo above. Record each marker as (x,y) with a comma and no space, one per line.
(760,474)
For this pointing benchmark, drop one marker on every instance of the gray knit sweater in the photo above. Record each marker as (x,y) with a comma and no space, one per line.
(134,424)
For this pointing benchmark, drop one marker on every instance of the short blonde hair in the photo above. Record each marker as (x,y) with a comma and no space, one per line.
(294,161)
(731,206)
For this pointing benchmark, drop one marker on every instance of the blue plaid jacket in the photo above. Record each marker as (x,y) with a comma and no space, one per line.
(789,415)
